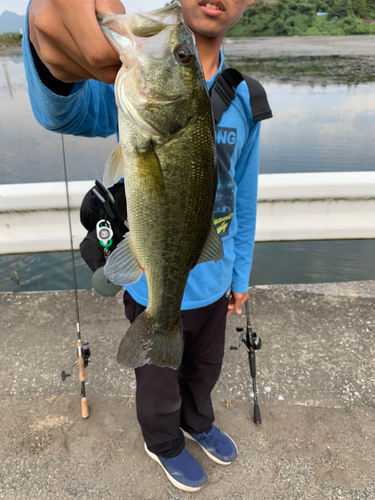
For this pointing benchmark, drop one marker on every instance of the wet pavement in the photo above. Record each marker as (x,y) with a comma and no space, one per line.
(316,383)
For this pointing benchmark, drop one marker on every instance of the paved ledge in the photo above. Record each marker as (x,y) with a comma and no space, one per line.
(291,207)
(297,46)
(316,394)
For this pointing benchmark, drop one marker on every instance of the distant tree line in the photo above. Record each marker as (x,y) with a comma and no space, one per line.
(10,40)
(299,17)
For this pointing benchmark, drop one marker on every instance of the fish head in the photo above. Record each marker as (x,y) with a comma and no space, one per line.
(161,84)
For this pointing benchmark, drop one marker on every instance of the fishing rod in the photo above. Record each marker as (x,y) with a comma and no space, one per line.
(253,342)
(83,349)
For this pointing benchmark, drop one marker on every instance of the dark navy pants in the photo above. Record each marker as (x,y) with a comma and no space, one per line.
(168,399)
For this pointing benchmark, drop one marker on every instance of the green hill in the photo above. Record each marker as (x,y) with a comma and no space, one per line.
(306,17)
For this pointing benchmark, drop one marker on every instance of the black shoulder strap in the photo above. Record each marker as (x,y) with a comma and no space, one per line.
(224,90)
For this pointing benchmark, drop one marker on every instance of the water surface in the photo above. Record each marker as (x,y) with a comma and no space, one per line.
(324,115)
(29,153)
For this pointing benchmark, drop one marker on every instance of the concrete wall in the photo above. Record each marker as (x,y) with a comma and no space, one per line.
(316,206)
(308,206)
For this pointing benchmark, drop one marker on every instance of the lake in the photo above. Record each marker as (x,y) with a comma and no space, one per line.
(324,115)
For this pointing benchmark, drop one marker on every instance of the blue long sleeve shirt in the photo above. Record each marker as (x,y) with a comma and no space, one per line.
(90,110)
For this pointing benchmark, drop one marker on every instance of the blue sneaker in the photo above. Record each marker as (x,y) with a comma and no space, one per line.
(216,445)
(183,471)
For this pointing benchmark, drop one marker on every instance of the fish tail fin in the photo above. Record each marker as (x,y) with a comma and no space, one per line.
(147,342)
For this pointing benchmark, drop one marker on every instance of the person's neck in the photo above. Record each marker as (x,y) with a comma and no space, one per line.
(209,54)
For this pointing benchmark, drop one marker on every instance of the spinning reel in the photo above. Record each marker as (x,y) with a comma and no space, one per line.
(85,356)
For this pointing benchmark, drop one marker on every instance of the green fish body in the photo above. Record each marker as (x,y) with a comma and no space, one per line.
(166,155)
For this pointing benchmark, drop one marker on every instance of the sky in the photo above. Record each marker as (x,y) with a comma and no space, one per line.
(19,6)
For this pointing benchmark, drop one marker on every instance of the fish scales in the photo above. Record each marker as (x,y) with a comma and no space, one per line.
(173,247)
(166,155)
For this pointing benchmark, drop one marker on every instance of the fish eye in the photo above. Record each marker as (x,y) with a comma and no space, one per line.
(183,54)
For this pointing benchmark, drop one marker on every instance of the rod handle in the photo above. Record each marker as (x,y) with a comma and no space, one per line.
(252,363)
(84,408)
(81,369)
(257,418)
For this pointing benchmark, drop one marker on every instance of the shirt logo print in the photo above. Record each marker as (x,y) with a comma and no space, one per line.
(226,136)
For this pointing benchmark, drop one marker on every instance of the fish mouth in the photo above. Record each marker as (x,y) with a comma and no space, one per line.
(212,5)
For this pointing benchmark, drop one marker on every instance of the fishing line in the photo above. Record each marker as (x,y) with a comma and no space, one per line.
(83,351)
(71,236)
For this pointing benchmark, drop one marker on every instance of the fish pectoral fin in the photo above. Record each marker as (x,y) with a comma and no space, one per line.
(114,168)
(122,266)
(213,248)
(150,174)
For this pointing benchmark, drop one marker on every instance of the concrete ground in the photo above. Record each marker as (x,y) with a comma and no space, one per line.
(316,394)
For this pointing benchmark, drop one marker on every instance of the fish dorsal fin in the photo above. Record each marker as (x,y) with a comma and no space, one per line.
(122,267)
(213,248)
(114,168)
(145,27)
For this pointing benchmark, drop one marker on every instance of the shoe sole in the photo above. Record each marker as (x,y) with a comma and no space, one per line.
(172,479)
(212,457)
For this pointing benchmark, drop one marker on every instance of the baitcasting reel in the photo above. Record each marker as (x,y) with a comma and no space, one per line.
(252,340)
(253,343)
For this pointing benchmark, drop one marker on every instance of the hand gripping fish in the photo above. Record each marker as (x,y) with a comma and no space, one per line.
(166,155)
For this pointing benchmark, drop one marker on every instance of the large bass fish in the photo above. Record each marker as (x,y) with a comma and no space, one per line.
(166,155)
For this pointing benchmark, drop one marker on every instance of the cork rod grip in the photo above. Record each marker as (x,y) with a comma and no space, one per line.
(84,408)
(81,369)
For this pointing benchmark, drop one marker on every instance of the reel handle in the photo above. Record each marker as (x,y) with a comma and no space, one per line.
(64,375)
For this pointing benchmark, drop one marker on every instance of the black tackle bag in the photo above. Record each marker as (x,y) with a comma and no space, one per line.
(101,203)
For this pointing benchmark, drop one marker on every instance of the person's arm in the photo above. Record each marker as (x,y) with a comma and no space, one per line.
(246,178)
(89,110)
(53,84)
(82,108)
